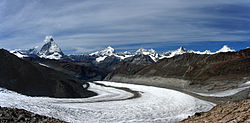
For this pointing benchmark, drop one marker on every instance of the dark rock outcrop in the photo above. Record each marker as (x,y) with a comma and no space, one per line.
(131,65)
(35,80)
(84,71)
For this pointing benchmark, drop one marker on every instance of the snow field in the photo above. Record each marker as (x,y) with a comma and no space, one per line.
(154,105)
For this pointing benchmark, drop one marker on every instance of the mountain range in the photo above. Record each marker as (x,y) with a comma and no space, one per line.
(179,68)
(50,50)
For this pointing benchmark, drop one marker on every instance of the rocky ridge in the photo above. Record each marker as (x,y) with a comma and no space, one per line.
(232,112)
(8,115)
(200,71)
(34,79)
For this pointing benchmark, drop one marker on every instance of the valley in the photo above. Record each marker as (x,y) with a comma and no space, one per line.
(112,105)
(124,61)
(106,86)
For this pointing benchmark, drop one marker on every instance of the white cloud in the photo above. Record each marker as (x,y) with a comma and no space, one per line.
(95,23)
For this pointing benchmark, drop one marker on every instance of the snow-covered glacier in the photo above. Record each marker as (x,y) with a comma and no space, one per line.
(112,104)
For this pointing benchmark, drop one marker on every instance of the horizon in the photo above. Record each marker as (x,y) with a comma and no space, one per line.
(212,46)
(82,27)
(215,46)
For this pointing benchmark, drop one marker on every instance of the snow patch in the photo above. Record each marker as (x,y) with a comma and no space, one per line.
(44,65)
(223,93)
(18,54)
(48,39)
(99,59)
(246,83)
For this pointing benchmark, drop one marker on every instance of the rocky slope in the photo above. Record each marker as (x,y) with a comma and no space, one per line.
(35,80)
(205,72)
(132,65)
(230,112)
(8,115)
(85,71)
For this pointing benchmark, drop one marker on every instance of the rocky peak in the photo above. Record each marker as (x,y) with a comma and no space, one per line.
(50,49)
(149,52)
(145,51)
(181,49)
(109,51)
(48,39)
(25,53)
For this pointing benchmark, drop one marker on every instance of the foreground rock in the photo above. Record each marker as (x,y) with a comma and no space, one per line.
(33,79)
(229,112)
(8,115)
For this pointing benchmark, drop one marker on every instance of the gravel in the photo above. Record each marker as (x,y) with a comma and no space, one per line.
(8,115)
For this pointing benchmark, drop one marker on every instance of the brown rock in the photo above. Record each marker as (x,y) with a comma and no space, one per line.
(230,112)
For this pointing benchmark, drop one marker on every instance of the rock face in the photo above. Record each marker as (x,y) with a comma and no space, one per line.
(131,65)
(230,112)
(8,115)
(84,71)
(35,80)
(216,69)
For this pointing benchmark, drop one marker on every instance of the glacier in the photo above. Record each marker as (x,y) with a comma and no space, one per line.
(112,105)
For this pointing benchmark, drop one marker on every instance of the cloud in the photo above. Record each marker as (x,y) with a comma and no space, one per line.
(86,25)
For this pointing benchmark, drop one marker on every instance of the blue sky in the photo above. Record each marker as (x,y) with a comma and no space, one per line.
(81,26)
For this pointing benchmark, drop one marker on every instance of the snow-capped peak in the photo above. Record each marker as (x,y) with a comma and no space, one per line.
(225,48)
(25,53)
(48,39)
(173,53)
(145,51)
(50,49)
(109,51)
(150,52)
(204,52)
(181,49)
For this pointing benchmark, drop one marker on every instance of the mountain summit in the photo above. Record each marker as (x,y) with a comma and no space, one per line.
(50,49)
(225,48)
(109,51)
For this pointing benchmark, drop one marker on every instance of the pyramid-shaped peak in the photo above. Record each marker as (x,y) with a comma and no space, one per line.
(48,39)
(50,49)
(181,48)
(225,47)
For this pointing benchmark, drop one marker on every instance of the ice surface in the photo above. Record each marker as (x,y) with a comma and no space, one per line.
(227,92)
(154,105)
(246,83)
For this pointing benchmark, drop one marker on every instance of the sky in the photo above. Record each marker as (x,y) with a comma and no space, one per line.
(82,26)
